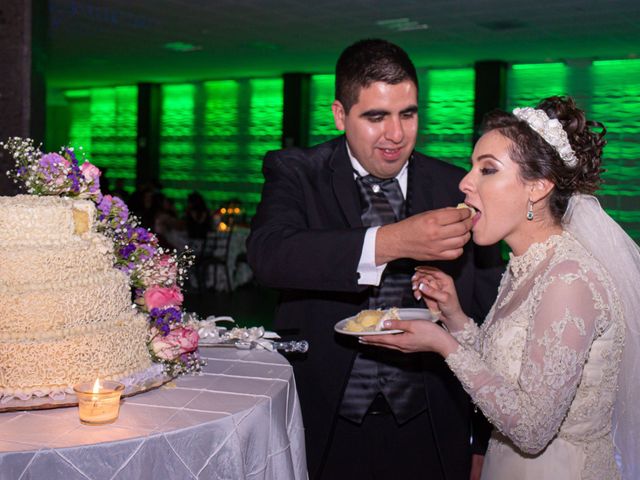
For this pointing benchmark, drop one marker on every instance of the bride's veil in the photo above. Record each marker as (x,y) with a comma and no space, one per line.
(620,255)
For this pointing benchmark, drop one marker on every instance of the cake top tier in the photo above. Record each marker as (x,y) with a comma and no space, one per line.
(46,219)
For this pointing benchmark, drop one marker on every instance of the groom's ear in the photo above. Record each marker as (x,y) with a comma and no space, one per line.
(338,114)
(540,189)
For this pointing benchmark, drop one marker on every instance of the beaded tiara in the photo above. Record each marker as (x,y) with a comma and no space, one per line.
(550,130)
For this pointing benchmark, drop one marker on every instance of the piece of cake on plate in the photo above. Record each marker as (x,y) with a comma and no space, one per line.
(371,320)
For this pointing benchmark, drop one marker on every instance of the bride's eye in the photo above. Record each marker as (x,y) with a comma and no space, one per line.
(488,171)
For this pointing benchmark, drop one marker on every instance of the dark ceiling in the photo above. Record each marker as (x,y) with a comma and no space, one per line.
(127,41)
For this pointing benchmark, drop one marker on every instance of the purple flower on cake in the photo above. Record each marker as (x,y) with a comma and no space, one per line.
(54,168)
(104,207)
(74,174)
(136,248)
(126,251)
(164,319)
(113,212)
(142,235)
(53,161)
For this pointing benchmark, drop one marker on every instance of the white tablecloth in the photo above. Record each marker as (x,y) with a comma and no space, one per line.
(241,419)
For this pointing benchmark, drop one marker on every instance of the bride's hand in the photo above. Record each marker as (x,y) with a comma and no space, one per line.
(417,336)
(438,291)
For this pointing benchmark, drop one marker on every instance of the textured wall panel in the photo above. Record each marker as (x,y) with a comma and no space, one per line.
(214,136)
(103,123)
(446,115)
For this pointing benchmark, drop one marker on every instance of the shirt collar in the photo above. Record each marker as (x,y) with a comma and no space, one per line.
(402,175)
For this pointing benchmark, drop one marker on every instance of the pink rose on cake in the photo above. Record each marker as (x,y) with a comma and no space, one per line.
(91,174)
(159,297)
(177,342)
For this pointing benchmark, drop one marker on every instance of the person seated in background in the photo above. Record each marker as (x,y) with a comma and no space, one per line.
(142,203)
(197,218)
(165,220)
(119,190)
(105,182)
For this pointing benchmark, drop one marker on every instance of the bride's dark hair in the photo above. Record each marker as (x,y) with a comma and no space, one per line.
(537,159)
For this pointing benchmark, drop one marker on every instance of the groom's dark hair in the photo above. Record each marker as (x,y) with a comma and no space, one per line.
(368,61)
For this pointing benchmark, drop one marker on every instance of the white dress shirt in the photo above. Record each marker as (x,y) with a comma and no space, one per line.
(369,272)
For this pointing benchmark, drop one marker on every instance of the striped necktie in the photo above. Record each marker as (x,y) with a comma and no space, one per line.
(383,199)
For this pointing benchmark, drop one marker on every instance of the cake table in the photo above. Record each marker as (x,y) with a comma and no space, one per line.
(240,419)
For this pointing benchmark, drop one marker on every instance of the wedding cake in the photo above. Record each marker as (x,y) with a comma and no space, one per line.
(65,311)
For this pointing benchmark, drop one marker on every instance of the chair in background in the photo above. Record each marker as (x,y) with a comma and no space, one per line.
(214,254)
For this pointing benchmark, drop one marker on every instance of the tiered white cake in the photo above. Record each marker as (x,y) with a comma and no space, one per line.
(65,311)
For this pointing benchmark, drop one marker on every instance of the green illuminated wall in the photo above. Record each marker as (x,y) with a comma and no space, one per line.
(321,126)
(178,138)
(214,136)
(446,115)
(529,83)
(103,122)
(616,103)
(609,91)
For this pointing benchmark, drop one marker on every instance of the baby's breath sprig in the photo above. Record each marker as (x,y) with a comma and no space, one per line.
(51,173)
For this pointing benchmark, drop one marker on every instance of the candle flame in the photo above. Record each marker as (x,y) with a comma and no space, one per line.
(96,386)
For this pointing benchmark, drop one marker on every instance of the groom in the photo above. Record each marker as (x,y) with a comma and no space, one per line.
(339,229)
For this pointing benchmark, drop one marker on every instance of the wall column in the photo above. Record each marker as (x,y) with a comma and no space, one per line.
(148,151)
(295,109)
(23,55)
(490,91)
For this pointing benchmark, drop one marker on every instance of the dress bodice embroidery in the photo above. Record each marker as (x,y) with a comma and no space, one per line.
(544,363)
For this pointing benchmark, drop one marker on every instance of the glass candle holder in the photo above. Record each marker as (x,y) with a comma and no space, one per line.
(99,402)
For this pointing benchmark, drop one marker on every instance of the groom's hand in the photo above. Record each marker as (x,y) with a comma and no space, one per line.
(434,235)
(476,466)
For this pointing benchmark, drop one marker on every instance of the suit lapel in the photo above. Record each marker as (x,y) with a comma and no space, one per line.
(344,186)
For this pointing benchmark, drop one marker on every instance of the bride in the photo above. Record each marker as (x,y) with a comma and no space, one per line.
(552,366)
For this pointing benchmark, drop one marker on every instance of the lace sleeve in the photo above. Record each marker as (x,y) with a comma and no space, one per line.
(530,410)
(469,335)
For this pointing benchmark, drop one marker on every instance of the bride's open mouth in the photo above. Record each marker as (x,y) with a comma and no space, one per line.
(475,213)
(476,218)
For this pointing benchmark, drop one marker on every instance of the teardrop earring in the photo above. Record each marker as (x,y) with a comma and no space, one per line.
(530,211)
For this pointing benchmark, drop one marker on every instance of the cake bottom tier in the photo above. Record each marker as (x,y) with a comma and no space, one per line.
(109,351)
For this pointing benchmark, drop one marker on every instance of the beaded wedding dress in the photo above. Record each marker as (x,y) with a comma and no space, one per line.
(544,366)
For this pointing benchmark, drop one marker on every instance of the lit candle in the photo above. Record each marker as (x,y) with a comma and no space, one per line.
(98,404)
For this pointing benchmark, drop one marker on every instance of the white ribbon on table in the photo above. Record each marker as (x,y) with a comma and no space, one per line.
(244,338)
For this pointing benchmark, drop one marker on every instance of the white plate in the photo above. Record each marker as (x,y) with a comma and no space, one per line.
(403,313)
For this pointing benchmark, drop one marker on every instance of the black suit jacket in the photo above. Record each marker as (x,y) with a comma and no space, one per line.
(306,240)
